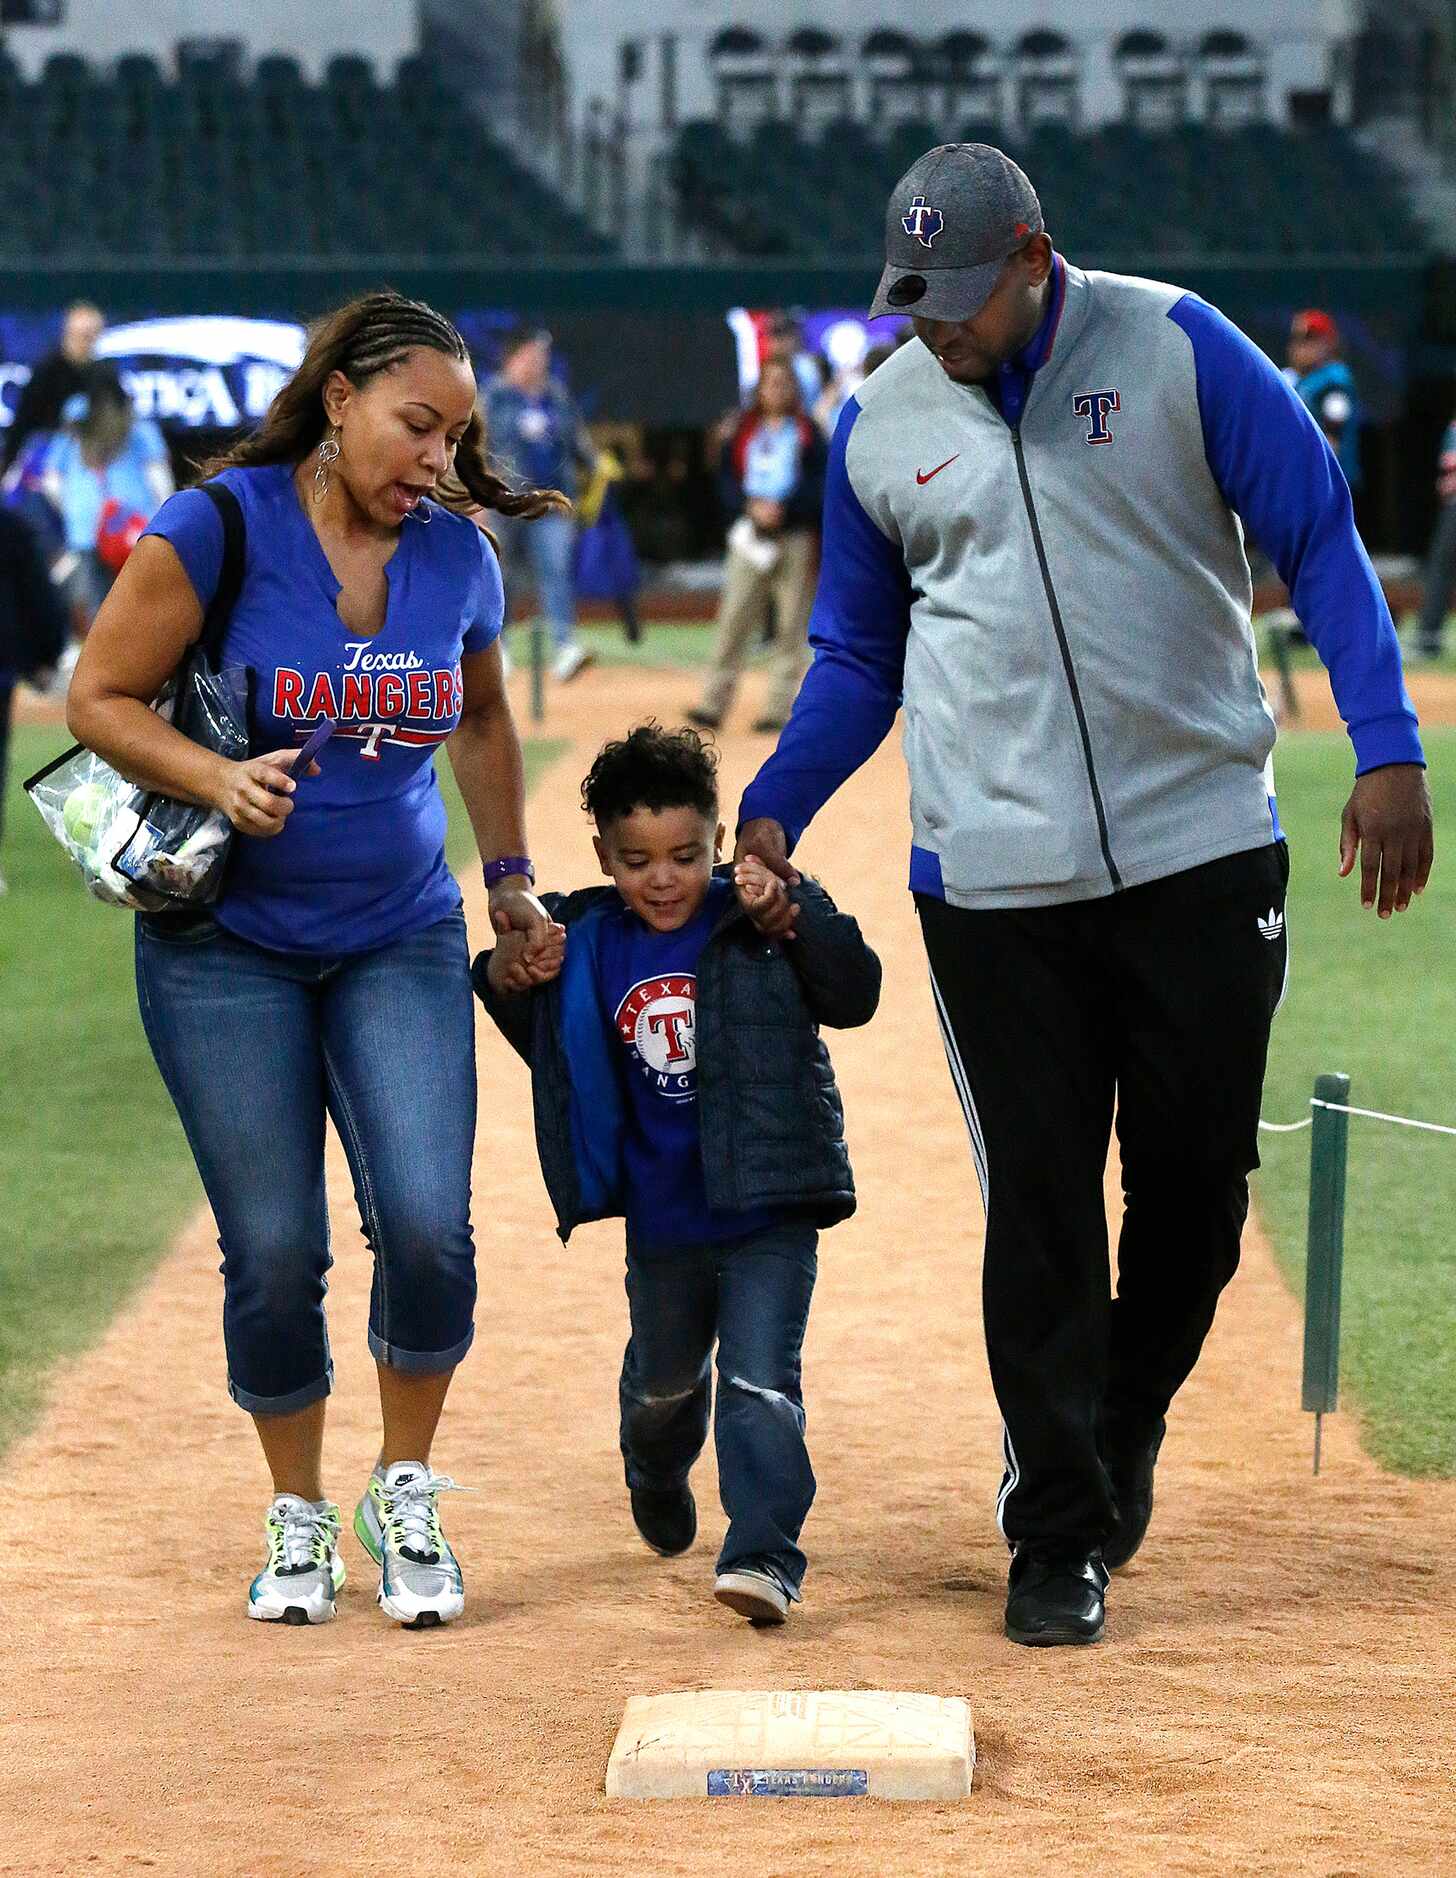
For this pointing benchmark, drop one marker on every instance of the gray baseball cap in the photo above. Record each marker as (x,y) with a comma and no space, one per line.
(953,218)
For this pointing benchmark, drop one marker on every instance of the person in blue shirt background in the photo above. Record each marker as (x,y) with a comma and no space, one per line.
(107,473)
(333,974)
(536,432)
(680,1080)
(1326,386)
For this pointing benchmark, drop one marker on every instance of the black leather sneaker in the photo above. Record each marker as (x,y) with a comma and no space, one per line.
(667,1520)
(1130,1462)
(1055,1593)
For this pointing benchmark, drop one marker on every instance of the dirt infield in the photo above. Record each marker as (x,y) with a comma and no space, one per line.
(1274,1694)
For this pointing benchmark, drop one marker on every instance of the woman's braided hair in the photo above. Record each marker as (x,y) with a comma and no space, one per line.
(370,335)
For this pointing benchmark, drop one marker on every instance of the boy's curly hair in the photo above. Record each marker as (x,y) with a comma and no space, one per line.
(651,768)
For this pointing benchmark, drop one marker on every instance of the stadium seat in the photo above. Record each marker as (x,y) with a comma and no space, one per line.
(1120,192)
(213,164)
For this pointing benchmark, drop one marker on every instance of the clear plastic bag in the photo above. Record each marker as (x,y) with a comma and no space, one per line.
(135,847)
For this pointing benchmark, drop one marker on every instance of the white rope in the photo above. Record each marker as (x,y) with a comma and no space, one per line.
(1344,1108)
(1377,1115)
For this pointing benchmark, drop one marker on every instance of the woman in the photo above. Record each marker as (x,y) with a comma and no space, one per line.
(107,473)
(333,974)
(773,481)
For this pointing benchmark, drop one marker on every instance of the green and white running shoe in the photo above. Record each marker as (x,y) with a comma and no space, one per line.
(398,1524)
(304,1572)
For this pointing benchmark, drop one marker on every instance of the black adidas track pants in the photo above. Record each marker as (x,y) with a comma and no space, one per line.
(1153,1004)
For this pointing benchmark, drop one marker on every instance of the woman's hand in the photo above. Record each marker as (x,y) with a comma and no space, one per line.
(765,898)
(257,795)
(514,967)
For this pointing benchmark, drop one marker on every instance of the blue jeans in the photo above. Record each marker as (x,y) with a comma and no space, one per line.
(255,1047)
(752,1295)
(550,546)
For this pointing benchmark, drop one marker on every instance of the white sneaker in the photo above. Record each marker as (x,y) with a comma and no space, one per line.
(304,1572)
(570,660)
(398,1524)
(754,1594)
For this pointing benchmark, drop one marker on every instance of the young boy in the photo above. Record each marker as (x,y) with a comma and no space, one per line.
(680,1081)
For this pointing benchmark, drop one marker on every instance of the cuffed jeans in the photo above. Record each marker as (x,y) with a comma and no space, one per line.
(255,1047)
(751,1295)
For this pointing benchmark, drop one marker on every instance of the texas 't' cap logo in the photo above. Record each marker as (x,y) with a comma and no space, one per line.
(922,223)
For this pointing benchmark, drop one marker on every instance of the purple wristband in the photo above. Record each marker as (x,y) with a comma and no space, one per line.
(508,864)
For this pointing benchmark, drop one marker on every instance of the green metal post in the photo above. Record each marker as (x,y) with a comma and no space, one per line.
(1328,1139)
(538,670)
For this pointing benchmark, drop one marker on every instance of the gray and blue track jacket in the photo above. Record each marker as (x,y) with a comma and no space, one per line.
(1053,581)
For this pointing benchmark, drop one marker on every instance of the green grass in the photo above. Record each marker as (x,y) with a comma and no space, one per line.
(673,645)
(94,1171)
(1304,658)
(1377,999)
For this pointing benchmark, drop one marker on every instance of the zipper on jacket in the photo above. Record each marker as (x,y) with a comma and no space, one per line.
(1067,666)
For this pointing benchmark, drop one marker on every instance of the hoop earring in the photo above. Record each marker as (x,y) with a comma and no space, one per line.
(328,452)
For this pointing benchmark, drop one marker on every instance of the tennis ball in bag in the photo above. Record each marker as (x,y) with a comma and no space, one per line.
(85,808)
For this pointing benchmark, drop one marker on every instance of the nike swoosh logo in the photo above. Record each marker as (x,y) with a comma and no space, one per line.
(924,476)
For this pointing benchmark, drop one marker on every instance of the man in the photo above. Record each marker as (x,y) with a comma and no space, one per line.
(1326,386)
(535,431)
(58,377)
(1031,529)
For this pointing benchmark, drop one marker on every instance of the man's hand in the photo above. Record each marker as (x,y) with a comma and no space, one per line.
(767,842)
(765,898)
(515,966)
(1387,822)
(764,840)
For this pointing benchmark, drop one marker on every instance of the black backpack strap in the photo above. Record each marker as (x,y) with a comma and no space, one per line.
(230,574)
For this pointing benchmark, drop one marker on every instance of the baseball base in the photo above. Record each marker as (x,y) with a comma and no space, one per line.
(824,1743)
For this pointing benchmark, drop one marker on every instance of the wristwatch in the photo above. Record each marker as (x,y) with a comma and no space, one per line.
(505,867)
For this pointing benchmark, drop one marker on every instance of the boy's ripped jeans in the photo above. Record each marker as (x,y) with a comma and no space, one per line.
(752,1296)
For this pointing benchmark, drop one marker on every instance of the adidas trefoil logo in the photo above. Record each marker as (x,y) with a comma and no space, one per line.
(1271,924)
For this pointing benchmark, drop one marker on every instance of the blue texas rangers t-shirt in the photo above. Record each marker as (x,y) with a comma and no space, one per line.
(361,860)
(649,990)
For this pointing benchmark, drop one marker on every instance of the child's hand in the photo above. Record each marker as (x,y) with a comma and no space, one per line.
(765,898)
(519,963)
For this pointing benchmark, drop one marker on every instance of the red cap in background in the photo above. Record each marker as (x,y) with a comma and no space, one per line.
(1313,324)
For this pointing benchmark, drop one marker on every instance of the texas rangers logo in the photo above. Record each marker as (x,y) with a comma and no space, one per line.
(922,222)
(385,700)
(657,1022)
(1094,406)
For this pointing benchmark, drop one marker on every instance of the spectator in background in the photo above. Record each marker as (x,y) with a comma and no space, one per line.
(536,434)
(107,473)
(785,340)
(1326,386)
(772,479)
(33,626)
(58,378)
(1441,561)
